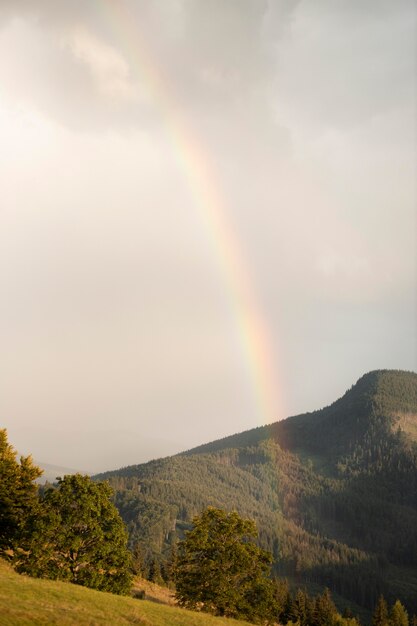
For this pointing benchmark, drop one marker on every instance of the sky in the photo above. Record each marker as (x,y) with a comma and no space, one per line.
(207,216)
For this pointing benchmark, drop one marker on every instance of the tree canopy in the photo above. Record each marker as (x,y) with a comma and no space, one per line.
(78,536)
(222,571)
(18,493)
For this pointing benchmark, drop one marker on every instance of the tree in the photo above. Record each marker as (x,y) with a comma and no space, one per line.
(18,493)
(380,616)
(302,609)
(283,600)
(398,615)
(222,571)
(324,612)
(78,536)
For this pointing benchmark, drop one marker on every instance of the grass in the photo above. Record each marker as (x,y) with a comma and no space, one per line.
(26,601)
(152,591)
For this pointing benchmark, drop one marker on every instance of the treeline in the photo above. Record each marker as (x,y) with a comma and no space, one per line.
(319,529)
(301,609)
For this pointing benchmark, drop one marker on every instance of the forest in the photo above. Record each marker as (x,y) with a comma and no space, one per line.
(333,493)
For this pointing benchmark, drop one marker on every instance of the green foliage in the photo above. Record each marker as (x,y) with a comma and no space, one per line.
(314,484)
(78,536)
(398,615)
(284,601)
(18,493)
(220,570)
(324,611)
(302,609)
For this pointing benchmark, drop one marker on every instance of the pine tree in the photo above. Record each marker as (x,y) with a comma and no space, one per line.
(138,560)
(283,600)
(155,575)
(171,564)
(398,615)
(324,610)
(380,616)
(300,608)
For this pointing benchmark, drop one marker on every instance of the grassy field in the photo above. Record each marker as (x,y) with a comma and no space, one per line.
(28,601)
(153,592)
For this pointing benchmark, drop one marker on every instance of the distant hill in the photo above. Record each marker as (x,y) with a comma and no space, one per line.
(51,472)
(334,492)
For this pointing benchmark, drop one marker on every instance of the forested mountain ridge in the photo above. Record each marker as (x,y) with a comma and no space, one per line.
(334,492)
(376,407)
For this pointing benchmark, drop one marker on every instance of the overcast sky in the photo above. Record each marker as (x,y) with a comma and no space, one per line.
(120,316)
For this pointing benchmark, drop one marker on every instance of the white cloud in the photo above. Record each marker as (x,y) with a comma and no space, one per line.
(109,69)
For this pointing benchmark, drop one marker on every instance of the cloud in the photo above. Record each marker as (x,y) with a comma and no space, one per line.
(341,65)
(210,58)
(116,304)
(108,68)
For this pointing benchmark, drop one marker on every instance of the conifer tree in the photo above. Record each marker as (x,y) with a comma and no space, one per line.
(398,615)
(301,608)
(18,493)
(283,600)
(155,575)
(324,611)
(380,616)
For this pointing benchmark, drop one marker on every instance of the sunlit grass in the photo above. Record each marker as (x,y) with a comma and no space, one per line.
(26,601)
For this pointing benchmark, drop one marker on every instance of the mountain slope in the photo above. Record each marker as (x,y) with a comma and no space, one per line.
(334,492)
(379,403)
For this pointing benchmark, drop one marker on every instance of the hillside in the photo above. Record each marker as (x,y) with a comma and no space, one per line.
(45,603)
(375,407)
(334,492)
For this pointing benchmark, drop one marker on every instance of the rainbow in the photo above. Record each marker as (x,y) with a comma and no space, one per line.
(251,325)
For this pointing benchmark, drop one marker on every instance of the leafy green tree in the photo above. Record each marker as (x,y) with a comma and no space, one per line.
(398,615)
(18,493)
(222,571)
(380,616)
(78,536)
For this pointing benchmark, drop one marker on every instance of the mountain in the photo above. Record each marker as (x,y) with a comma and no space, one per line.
(51,472)
(333,492)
